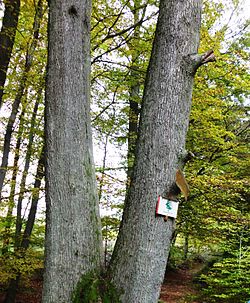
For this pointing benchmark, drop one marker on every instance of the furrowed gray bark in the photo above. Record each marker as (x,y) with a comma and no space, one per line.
(73,233)
(139,260)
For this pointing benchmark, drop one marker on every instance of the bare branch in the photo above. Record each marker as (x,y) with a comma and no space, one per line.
(112,49)
(111,36)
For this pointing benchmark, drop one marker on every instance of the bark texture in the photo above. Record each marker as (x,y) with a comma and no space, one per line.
(73,234)
(139,260)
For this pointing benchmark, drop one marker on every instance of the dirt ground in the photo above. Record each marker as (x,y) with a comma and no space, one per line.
(31,293)
(177,285)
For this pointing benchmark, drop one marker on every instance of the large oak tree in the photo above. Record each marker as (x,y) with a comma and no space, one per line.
(141,252)
(73,232)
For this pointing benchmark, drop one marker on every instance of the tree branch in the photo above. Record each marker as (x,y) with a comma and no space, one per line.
(209,56)
(199,60)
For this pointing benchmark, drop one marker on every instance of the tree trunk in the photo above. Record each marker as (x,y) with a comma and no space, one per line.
(185,246)
(134,93)
(13,285)
(12,290)
(17,101)
(73,233)
(100,193)
(11,202)
(7,38)
(35,198)
(140,255)
(25,171)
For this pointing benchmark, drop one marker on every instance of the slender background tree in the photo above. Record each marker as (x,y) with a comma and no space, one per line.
(7,37)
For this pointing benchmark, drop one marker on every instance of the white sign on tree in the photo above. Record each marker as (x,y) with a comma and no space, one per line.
(167,207)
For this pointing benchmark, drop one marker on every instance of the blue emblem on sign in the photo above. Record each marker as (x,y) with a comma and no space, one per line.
(168,205)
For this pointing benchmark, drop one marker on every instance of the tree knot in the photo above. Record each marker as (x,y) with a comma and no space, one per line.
(73,11)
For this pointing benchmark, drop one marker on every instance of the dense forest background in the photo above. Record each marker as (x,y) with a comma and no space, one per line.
(213,225)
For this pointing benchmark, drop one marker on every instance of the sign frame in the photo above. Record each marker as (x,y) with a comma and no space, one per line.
(167,207)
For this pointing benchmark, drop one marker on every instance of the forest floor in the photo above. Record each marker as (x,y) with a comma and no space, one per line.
(177,287)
